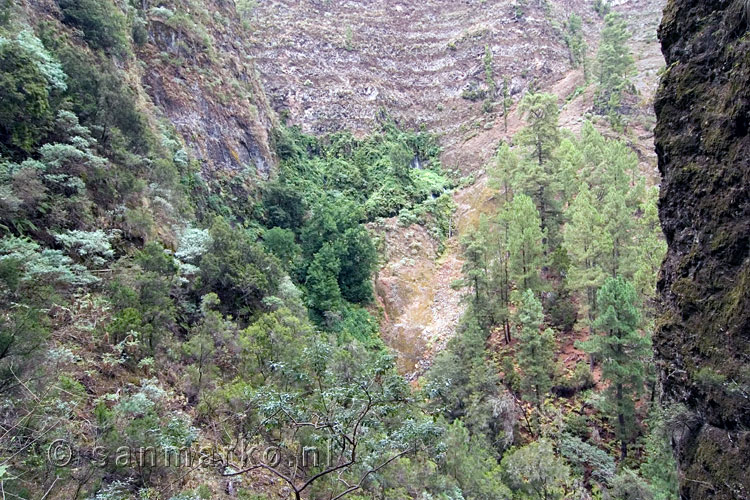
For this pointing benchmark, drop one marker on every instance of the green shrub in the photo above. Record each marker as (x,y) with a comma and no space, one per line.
(102,23)
(583,455)
(25,113)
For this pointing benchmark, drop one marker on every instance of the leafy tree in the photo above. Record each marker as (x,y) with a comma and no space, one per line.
(472,464)
(347,397)
(237,269)
(358,257)
(282,243)
(283,206)
(535,472)
(525,243)
(621,348)
(615,64)
(322,286)
(338,226)
(201,346)
(536,350)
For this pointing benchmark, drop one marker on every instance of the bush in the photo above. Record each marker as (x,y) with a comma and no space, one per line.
(25,113)
(102,23)
(583,455)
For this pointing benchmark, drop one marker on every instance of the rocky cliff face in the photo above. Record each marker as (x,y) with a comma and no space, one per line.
(199,72)
(703,340)
(193,69)
(334,65)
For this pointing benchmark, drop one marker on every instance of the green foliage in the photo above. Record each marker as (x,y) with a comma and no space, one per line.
(237,269)
(541,135)
(323,290)
(561,309)
(660,467)
(588,244)
(536,350)
(472,465)
(627,485)
(282,243)
(345,267)
(463,384)
(602,7)
(102,23)
(622,348)
(385,172)
(485,273)
(535,472)
(585,456)
(615,66)
(541,176)
(525,243)
(92,247)
(25,93)
(575,42)
(35,265)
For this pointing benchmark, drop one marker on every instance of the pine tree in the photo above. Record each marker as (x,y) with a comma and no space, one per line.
(507,101)
(485,271)
(571,159)
(592,146)
(540,176)
(505,172)
(620,226)
(536,350)
(615,62)
(575,42)
(525,243)
(542,134)
(588,244)
(651,246)
(622,350)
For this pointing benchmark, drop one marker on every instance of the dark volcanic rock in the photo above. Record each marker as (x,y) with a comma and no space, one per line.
(703,339)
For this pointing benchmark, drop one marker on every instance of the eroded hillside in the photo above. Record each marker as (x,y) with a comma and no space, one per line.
(329,66)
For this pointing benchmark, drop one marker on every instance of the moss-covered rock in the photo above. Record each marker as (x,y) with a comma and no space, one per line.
(703,339)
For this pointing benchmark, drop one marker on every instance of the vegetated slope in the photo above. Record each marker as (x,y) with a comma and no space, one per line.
(414,285)
(703,342)
(191,66)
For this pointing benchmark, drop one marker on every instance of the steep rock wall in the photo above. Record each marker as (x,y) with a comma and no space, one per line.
(193,70)
(703,339)
(335,65)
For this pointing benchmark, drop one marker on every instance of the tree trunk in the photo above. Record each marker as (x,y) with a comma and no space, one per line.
(621,423)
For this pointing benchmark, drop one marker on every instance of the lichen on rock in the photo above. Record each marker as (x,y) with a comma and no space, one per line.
(703,339)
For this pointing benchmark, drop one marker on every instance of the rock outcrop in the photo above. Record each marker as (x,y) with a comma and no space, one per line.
(703,339)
